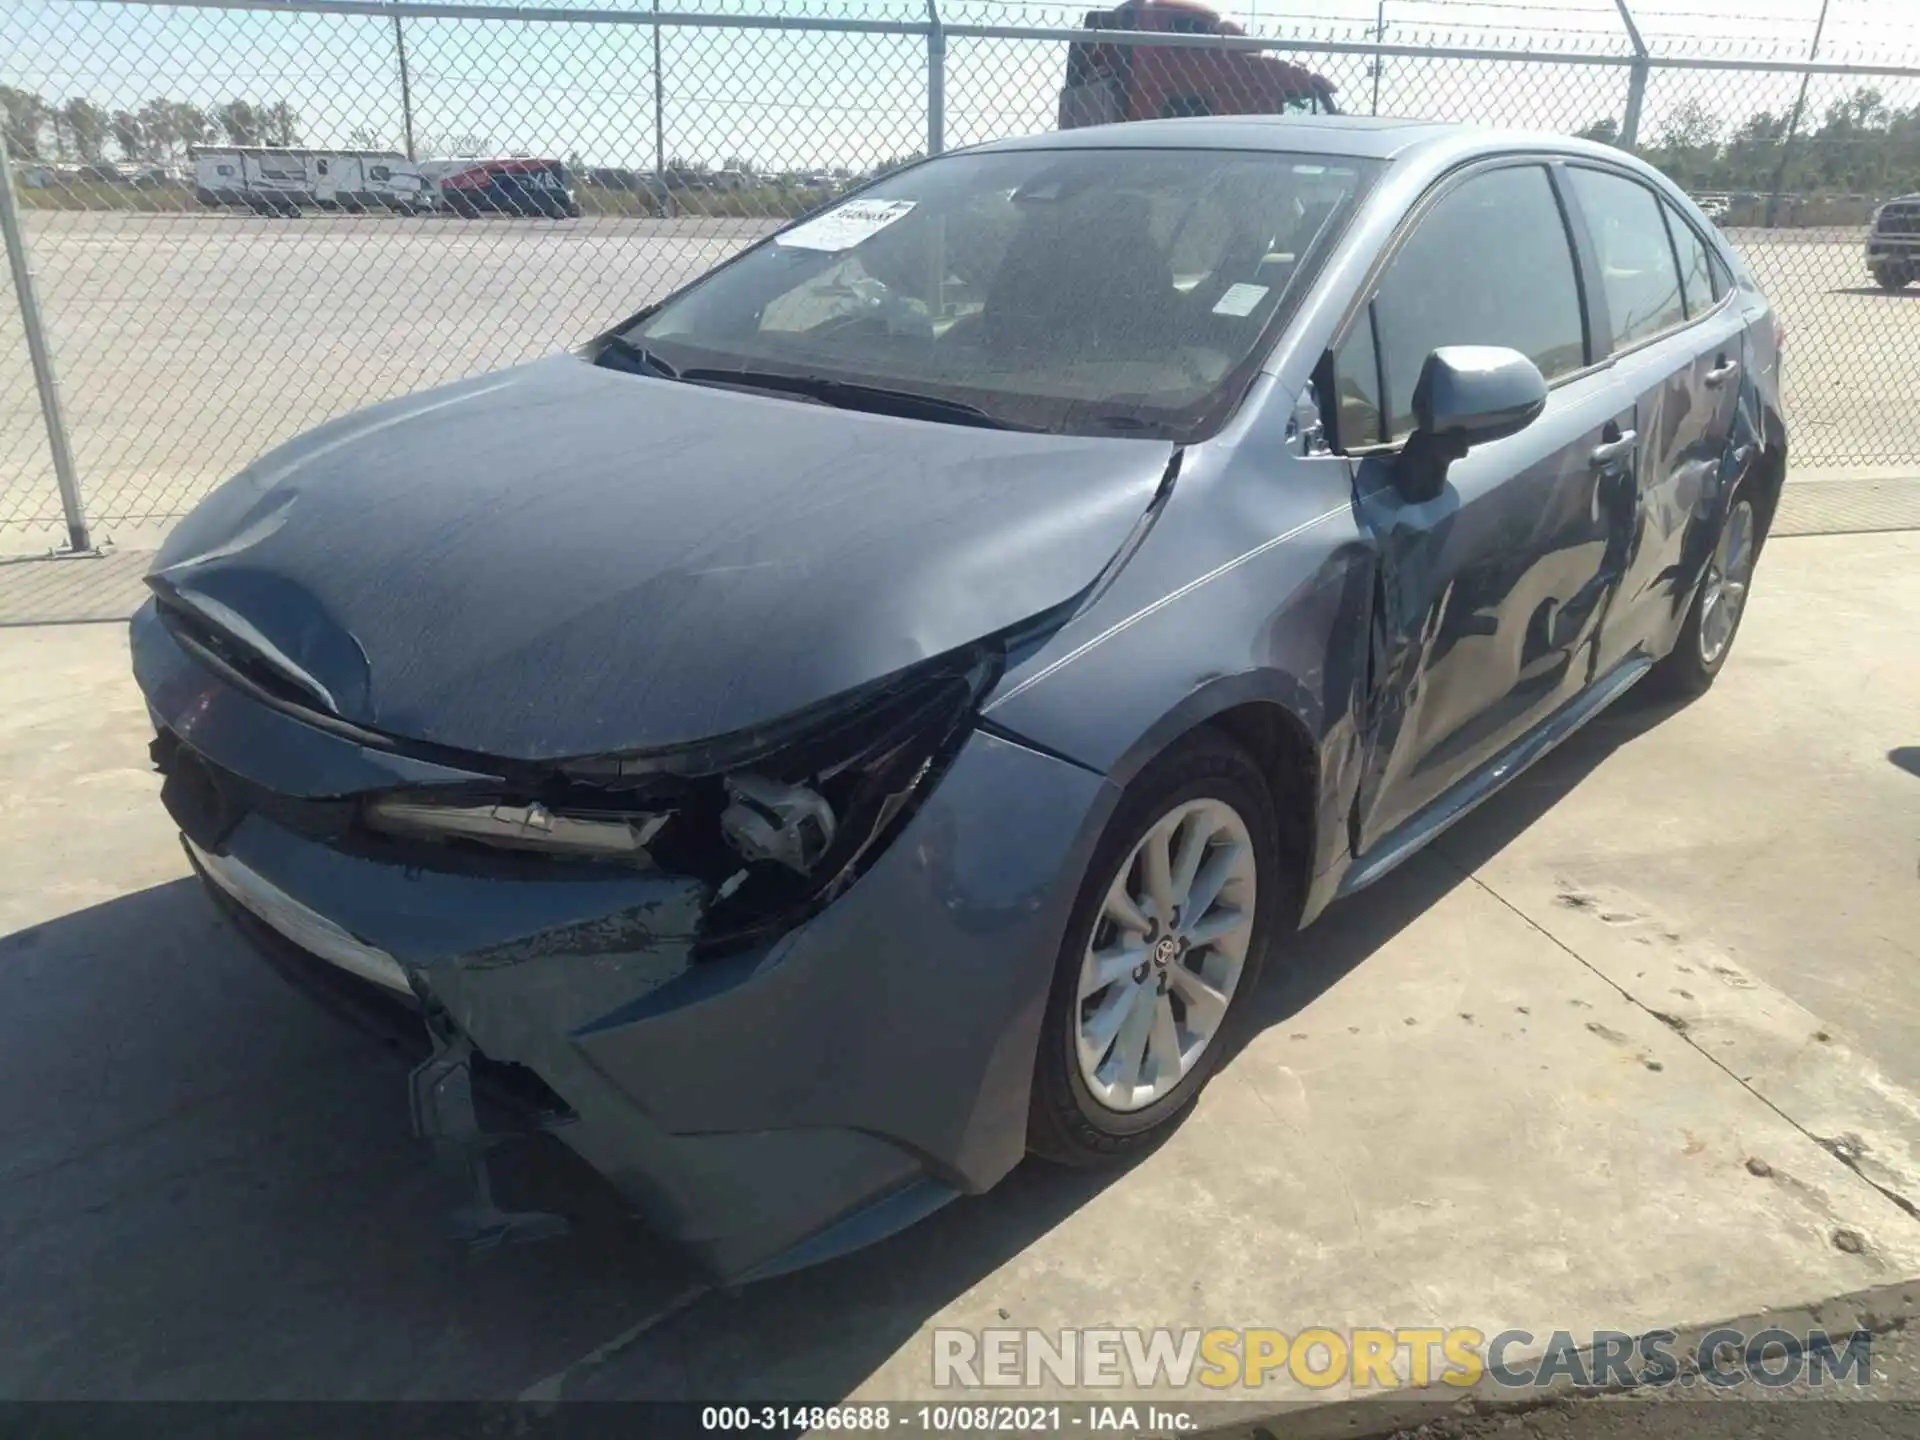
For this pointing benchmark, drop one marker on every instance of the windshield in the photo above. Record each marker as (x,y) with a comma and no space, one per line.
(1077,291)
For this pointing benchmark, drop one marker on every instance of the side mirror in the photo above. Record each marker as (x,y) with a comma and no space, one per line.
(1466,396)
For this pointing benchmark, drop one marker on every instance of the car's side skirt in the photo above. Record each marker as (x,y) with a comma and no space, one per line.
(1414,833)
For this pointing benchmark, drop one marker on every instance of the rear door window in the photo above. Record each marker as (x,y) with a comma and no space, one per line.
(1637,268)
(1697,281)
(1489,264)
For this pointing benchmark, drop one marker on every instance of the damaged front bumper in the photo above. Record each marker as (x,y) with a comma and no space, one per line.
(765,1108)
(311,932)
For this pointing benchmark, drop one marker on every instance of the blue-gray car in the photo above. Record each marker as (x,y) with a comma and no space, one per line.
(873,714)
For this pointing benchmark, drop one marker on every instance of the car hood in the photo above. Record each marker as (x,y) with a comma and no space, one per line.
(563,560)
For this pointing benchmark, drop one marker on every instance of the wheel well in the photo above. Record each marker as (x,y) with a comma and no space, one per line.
(1289,762)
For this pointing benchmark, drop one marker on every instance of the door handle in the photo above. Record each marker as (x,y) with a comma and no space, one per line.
(1609,451)
(1722,373)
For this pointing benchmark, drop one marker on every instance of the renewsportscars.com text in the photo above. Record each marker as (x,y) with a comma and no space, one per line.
(1385,1359)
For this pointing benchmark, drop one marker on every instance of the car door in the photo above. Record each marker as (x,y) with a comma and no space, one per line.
(1677,341)
(1487,597)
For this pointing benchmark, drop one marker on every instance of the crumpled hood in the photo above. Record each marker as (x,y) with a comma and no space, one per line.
(563,560)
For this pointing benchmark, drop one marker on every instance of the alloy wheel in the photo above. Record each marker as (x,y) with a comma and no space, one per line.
(1166,954)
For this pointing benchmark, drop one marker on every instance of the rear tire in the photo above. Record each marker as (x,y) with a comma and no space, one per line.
(1891,277)
(1135,1023)
(1713,620)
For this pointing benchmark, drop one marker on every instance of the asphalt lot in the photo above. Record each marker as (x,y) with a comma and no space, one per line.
(1522,1082)
(188,344)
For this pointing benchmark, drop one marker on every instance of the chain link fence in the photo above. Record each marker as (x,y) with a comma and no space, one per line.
(243,220)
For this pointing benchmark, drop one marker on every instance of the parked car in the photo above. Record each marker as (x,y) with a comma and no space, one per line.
(514,185)
(875,713)
(1893,243)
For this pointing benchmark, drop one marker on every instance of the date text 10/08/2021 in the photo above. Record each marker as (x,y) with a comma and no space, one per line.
(979,1419)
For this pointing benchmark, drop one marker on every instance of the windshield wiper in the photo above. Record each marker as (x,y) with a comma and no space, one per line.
(851,395)
(1125,422)
(639,355)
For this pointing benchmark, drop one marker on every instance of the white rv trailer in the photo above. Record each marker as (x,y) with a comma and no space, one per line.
(277,179)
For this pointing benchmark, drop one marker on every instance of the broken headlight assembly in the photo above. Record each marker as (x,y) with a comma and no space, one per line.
(777,821)
(533,826)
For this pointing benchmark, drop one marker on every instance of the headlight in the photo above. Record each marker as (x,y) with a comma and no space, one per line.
(532,826)
(775,820)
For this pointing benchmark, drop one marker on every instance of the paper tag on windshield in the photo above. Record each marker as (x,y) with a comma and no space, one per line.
(845,226)
(1240,299)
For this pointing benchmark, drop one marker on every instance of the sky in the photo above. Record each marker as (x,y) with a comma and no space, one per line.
(801,101)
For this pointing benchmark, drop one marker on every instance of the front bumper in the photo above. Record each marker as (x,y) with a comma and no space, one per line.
(766,1109)
(310,931)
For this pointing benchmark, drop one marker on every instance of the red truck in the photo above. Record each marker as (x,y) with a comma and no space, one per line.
(1107,82)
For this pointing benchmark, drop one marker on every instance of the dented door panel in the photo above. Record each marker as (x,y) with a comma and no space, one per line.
(1488,599)
(1685,390)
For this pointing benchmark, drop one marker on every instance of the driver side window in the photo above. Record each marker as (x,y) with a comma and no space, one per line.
(1489,264)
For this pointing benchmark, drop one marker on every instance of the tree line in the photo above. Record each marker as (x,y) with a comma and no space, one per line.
(159,131)
(1859,145)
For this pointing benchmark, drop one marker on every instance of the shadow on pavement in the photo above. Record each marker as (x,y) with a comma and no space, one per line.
(1906,757)
(209,1189)
(1909,293)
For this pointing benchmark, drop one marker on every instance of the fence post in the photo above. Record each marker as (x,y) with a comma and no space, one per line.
(1793,123)
(1636,96)
(660,121)
(1636,80)
(78,541)
(406,86)
(936,80)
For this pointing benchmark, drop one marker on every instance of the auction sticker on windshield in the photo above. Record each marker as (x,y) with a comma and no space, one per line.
(845,226)
(1240,300)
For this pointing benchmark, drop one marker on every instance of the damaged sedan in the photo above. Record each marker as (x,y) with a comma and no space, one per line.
(873,714)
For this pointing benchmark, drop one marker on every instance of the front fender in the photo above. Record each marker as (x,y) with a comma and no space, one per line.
(1269,608)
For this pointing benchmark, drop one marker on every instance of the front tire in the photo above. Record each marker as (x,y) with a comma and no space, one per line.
(1706,639)
(1891,277)
(1166,942)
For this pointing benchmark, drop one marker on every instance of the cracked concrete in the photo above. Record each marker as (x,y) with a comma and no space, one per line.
(1782,1052)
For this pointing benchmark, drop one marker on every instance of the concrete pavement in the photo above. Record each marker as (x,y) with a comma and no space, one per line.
(1522,1083)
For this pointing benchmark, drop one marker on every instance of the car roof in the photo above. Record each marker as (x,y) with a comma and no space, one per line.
(1359,136)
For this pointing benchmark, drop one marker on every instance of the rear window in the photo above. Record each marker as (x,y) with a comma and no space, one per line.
(1084,291)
